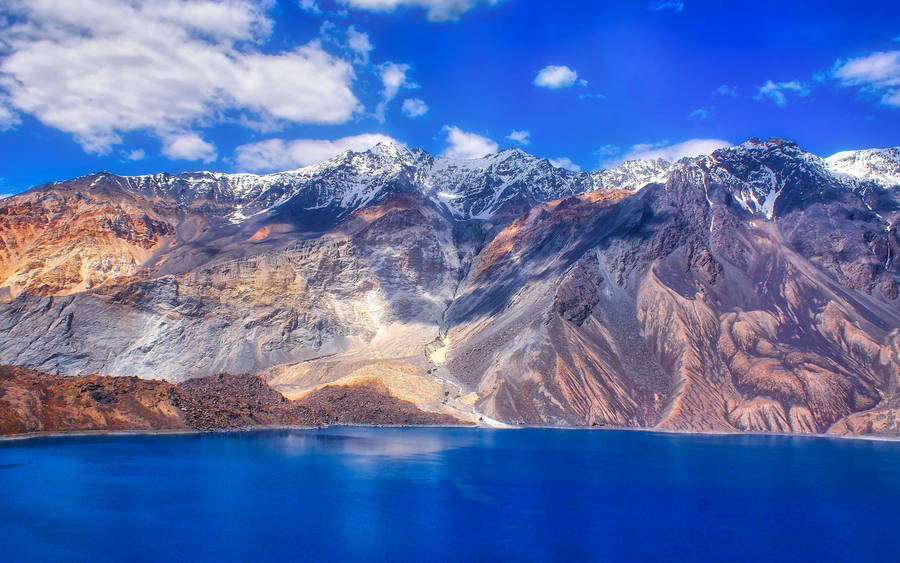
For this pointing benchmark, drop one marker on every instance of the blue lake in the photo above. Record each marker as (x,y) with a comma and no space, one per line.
(448,494)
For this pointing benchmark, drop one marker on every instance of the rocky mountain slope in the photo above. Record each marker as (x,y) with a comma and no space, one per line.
(38,402)
(753,289)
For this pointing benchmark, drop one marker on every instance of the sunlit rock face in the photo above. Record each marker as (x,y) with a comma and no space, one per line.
(753,289)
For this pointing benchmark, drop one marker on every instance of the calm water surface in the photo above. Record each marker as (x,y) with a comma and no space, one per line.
(448,494)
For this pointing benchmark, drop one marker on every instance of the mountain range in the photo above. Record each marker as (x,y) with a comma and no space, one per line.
(754,289)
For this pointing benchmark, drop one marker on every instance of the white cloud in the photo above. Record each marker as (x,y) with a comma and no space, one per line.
(556,76)
(393,77)
(8,118)
(99,68)
(608,151)
(136,154)
(188,146)
(671,152)
(329,32)
(565,162)
(351,41)
(310,6)
(699,113)
(520,137)
(775,91)
(877,73)
(4,196)
(358,41)
(296,86)
(436,10)
(278,154)
(726,90)
(414,107)
(463,145)
(674,5)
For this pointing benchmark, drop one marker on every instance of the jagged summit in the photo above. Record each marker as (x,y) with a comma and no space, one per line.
(754,288)
(760,174)
(507,182)
(632,174)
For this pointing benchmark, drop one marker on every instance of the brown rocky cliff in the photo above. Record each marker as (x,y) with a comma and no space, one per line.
(37,402)
(55,241)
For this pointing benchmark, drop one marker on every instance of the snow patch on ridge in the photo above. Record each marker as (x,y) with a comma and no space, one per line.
(480,188)
(881,166)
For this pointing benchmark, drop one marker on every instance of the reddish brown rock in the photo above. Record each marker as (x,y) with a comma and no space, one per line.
(37,402)
(368,403)
(33,402)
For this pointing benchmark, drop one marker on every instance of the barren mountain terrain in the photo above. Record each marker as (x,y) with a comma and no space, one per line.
(753,289)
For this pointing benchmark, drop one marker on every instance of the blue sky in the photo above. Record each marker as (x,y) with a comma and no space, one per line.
(172,85)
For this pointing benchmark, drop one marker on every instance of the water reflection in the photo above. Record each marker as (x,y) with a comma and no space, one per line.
(448,494)
(392,443)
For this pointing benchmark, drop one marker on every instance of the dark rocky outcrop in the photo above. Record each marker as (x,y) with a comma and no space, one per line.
(368,402)
(33,402)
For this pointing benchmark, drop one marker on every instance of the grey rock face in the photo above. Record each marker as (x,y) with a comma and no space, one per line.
(751,289)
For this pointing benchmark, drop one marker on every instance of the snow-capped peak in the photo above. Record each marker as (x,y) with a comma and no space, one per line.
(466,188)
(478,188)
(881,166)
(505,182)
(632,174)
(759,173)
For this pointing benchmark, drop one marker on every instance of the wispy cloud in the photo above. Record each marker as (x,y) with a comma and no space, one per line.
(876,74)
(414,107)
(565,162)
(775,91)
(136,154)
(726,90)
(310,6)
(461,144)
(699,113)
(665,150)
(279,154)
(520,137)
(435,10)
(659,5)
(608,151)
(359,43)
(8,117)
(393,77)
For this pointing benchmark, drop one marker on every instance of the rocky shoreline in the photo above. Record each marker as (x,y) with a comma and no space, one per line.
(258,428)
(35,403)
